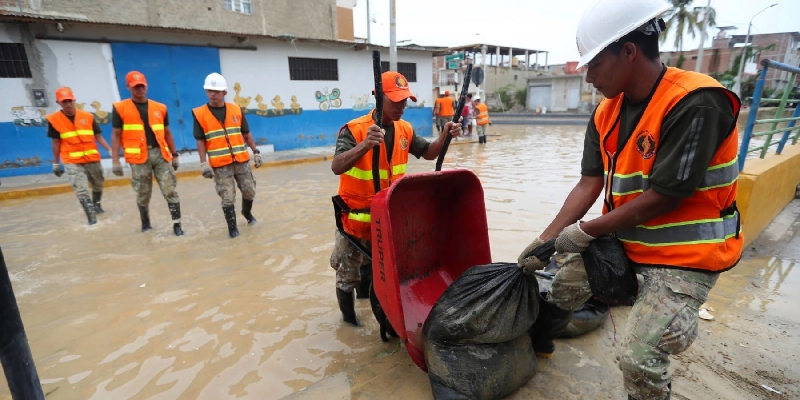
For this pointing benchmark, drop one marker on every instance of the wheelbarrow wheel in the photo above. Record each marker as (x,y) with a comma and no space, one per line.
(380,316)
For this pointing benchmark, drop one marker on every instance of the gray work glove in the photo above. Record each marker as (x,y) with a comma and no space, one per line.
(529,263)
(116,168)
(207,172)
(175,162)
(573,239)
(58,170)
(257,162)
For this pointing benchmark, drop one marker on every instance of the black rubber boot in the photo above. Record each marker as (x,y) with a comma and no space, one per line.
(144,214)
(362,291)
(230,217)
(548,326)
(175,211)
(247,206)
(88,207)
(348,307)
(96,197)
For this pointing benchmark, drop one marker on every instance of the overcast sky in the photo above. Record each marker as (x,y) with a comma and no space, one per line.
(538,24)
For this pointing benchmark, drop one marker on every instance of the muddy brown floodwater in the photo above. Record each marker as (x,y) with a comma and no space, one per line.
(112,313)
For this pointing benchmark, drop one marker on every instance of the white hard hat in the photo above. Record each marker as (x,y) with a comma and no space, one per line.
(215,81)
(476,98)
(606,21)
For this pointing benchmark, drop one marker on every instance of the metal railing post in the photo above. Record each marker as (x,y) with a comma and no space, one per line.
(15,353)
(779,114)
(751,119)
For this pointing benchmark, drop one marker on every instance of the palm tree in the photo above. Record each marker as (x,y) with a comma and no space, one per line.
(680,19)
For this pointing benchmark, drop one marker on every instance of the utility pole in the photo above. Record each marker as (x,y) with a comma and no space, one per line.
(737,87)
(369,22)
(392,37)
(699,66)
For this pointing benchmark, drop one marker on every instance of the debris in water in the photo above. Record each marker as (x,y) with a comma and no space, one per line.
(704,314)
(143,285)
(769,389)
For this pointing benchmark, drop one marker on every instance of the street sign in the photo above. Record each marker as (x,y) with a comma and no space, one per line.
(477,76)
(452,64)
(453,57)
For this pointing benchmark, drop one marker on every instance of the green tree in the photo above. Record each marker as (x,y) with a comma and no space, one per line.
(682,19)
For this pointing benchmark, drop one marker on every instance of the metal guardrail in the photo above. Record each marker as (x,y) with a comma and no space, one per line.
(744,148)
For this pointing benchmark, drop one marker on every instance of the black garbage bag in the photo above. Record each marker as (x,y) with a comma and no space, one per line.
(611,278)
(477,344)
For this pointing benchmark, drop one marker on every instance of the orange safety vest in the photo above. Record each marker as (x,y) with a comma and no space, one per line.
(483,114)
(224,144)
(704,232)
(445,106)
(77,138)
(355,185)
(134,141)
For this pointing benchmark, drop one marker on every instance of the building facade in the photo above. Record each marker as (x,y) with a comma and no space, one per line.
(296,92)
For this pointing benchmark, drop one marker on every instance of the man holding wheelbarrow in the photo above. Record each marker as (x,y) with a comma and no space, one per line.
(353,164)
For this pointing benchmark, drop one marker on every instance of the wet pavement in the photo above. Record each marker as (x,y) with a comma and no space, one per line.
(113,313)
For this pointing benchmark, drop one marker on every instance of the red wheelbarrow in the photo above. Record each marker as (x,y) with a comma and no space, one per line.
(427,229)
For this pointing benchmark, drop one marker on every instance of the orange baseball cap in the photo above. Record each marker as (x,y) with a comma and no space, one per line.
(395,87)
(64,93)
(135,78)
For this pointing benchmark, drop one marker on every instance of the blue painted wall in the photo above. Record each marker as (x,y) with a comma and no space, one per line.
(309,129)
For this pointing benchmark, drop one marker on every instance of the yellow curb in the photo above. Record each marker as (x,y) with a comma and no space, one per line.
(62,188)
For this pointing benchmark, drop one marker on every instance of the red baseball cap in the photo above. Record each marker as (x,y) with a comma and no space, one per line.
(64,93)
(135,78)
(447,93)
(395,87)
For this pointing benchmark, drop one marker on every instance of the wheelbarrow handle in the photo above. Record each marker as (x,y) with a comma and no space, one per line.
(376,151)
(462,101)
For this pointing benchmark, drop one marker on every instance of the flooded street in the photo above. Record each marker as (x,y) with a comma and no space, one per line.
(113,313)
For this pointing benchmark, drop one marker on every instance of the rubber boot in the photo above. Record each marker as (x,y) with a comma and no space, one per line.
(96,197)
(230,217)
(362,290)
(175,211)
(88,207)
(144,214)
(548,326)
(247,206)
(348,307)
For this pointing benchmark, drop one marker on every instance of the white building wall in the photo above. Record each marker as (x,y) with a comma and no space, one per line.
(13,92)
(265,72)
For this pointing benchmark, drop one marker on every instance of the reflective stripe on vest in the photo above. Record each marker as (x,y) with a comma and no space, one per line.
(715,230)
(83,153)
(224,141)
(360,217)
(76,133)
(716,176)
(76,137)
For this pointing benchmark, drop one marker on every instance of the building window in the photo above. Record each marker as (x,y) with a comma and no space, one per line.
(14,61)
(242,6)
(409,70)
(313,69)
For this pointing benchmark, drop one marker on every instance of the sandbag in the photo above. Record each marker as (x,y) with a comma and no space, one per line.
(611,279)
(477,344)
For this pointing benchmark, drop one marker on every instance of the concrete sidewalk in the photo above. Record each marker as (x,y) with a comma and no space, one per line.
(46,184)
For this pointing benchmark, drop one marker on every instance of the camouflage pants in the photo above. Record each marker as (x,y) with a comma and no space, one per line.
(443,120)
(481,130)
(80,176)
(347,261)
(234,174)
(662,321)
(142,178)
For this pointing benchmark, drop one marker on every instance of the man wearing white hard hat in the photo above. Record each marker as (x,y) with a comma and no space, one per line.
(662,149)
(223,135)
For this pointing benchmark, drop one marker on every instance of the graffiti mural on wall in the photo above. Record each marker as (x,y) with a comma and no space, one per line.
(328,101)
(362,103)
(262,109)
(28,116)
(34,116)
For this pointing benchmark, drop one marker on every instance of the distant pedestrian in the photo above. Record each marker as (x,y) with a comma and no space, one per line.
(141,127)
(223,134)
(75,134)
(482,119)
(444,110)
